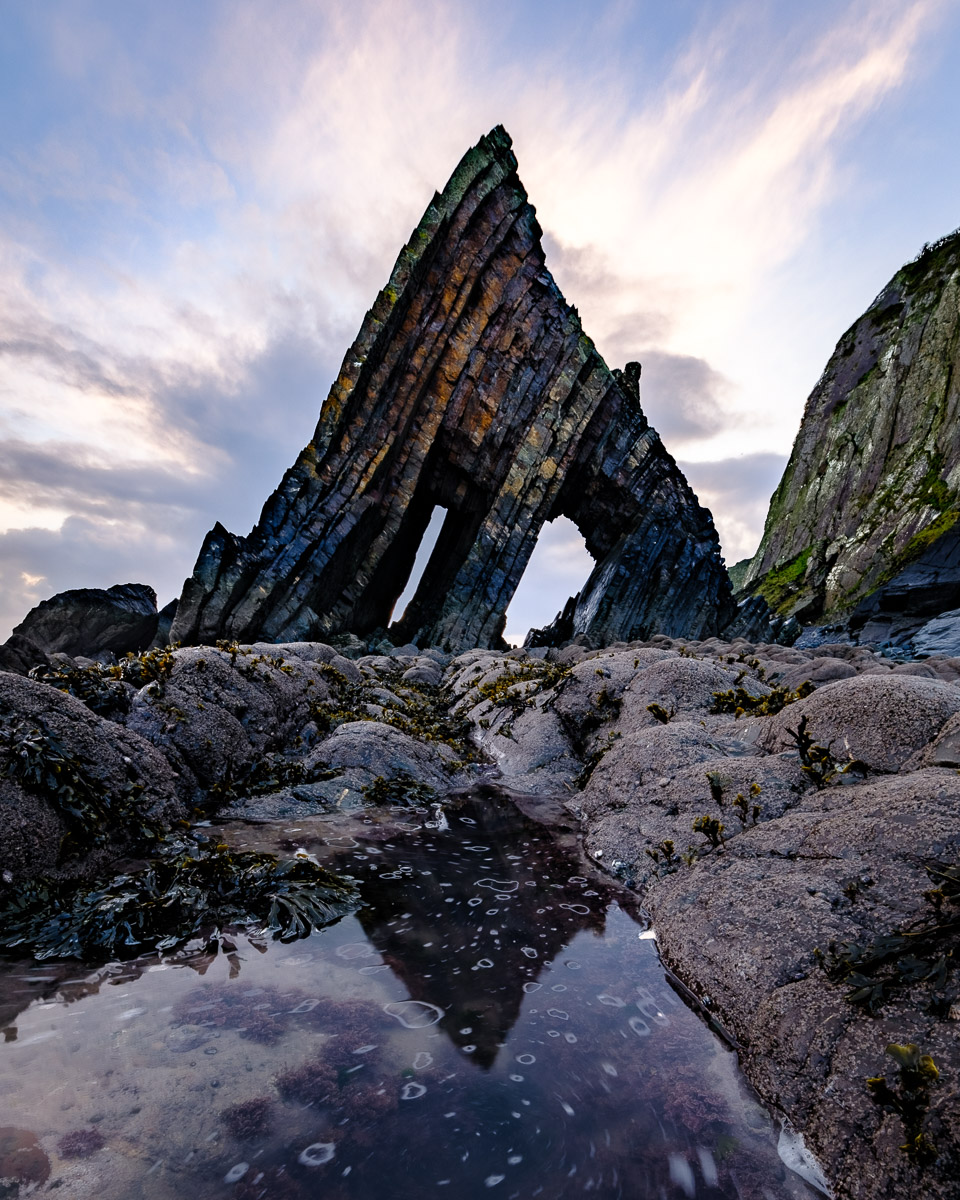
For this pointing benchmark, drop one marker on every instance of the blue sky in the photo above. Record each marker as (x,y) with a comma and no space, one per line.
(199,201)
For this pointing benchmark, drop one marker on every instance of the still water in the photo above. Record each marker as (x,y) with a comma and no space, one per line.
(493,1021)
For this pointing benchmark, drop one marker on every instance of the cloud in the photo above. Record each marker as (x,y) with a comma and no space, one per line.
(558,568)
(192,239)
(37,563)
(737,491)
(682,396)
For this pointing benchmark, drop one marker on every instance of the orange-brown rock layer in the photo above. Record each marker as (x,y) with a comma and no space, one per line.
(471,386)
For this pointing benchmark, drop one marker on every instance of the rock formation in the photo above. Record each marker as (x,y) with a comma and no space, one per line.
(86,621)
(471,386)
(871,494)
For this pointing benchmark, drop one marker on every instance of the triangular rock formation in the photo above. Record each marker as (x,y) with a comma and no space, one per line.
(471,386)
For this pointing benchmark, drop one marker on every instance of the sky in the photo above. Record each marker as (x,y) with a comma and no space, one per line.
(200,199)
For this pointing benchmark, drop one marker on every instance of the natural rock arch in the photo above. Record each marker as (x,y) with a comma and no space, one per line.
(472,386)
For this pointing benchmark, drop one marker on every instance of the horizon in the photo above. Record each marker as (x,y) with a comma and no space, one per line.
(197,219)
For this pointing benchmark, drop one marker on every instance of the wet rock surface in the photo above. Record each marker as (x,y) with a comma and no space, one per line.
(473,387)
(73,786)
(765,802)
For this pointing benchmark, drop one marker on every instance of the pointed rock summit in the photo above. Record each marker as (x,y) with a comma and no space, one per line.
(471,386)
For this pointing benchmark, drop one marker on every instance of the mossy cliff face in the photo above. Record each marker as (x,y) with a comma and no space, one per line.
(874,478)
(471,386)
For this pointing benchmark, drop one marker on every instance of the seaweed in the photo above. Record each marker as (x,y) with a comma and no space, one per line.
(740,702)
(909,1097)
(660,713)
(749,813)
(272,773)
(924,952)
(100,688)
(665,857)
(402,789)
(818,762)
(41,764)
(711,828)
(422,712)
(195,888)
(104,689)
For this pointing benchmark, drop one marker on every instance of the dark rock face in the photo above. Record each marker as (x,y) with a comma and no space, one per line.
(869,501)
(19,655)
(471,386)
(164,621)
(89,621)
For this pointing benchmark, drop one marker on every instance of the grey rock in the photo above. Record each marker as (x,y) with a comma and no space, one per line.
(19,655)
(161,636)
(939,636)
(109,757)
(818,670)
(880,720)
(384,751)
(741,926)
(86,621)
(218,712)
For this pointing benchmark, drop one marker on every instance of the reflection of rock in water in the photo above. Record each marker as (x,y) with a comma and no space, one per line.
(25,981)
(493,863)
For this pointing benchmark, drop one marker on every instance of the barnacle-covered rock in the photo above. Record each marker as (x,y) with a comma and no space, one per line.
(75,789)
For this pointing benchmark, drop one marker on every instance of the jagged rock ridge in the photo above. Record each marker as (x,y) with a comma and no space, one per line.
(871,494)
(471,386)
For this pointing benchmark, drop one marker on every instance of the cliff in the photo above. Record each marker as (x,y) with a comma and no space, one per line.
(872,489)
(471,386)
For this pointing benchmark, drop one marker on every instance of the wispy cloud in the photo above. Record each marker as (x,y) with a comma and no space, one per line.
(193,237)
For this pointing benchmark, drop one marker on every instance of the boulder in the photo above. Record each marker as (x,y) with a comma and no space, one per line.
(50,741)
(91,621)
(939,636)
(741,926)
(880,720)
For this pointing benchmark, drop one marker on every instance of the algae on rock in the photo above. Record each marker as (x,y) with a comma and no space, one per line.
(874,478)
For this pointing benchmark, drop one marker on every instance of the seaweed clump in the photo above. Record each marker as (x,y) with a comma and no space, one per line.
(272,773)
(194,890)
(909,1098)
(402,790)
(107,690)
(818,762)
(81,1143)
(249,1119)
(924,952)
(740,702)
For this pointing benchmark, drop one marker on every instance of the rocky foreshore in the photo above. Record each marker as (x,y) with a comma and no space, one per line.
(790,818)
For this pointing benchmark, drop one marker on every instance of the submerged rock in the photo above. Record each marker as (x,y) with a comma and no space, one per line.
(471,387)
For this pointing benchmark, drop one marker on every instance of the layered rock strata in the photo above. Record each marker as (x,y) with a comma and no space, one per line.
(871,494)
(473,387)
